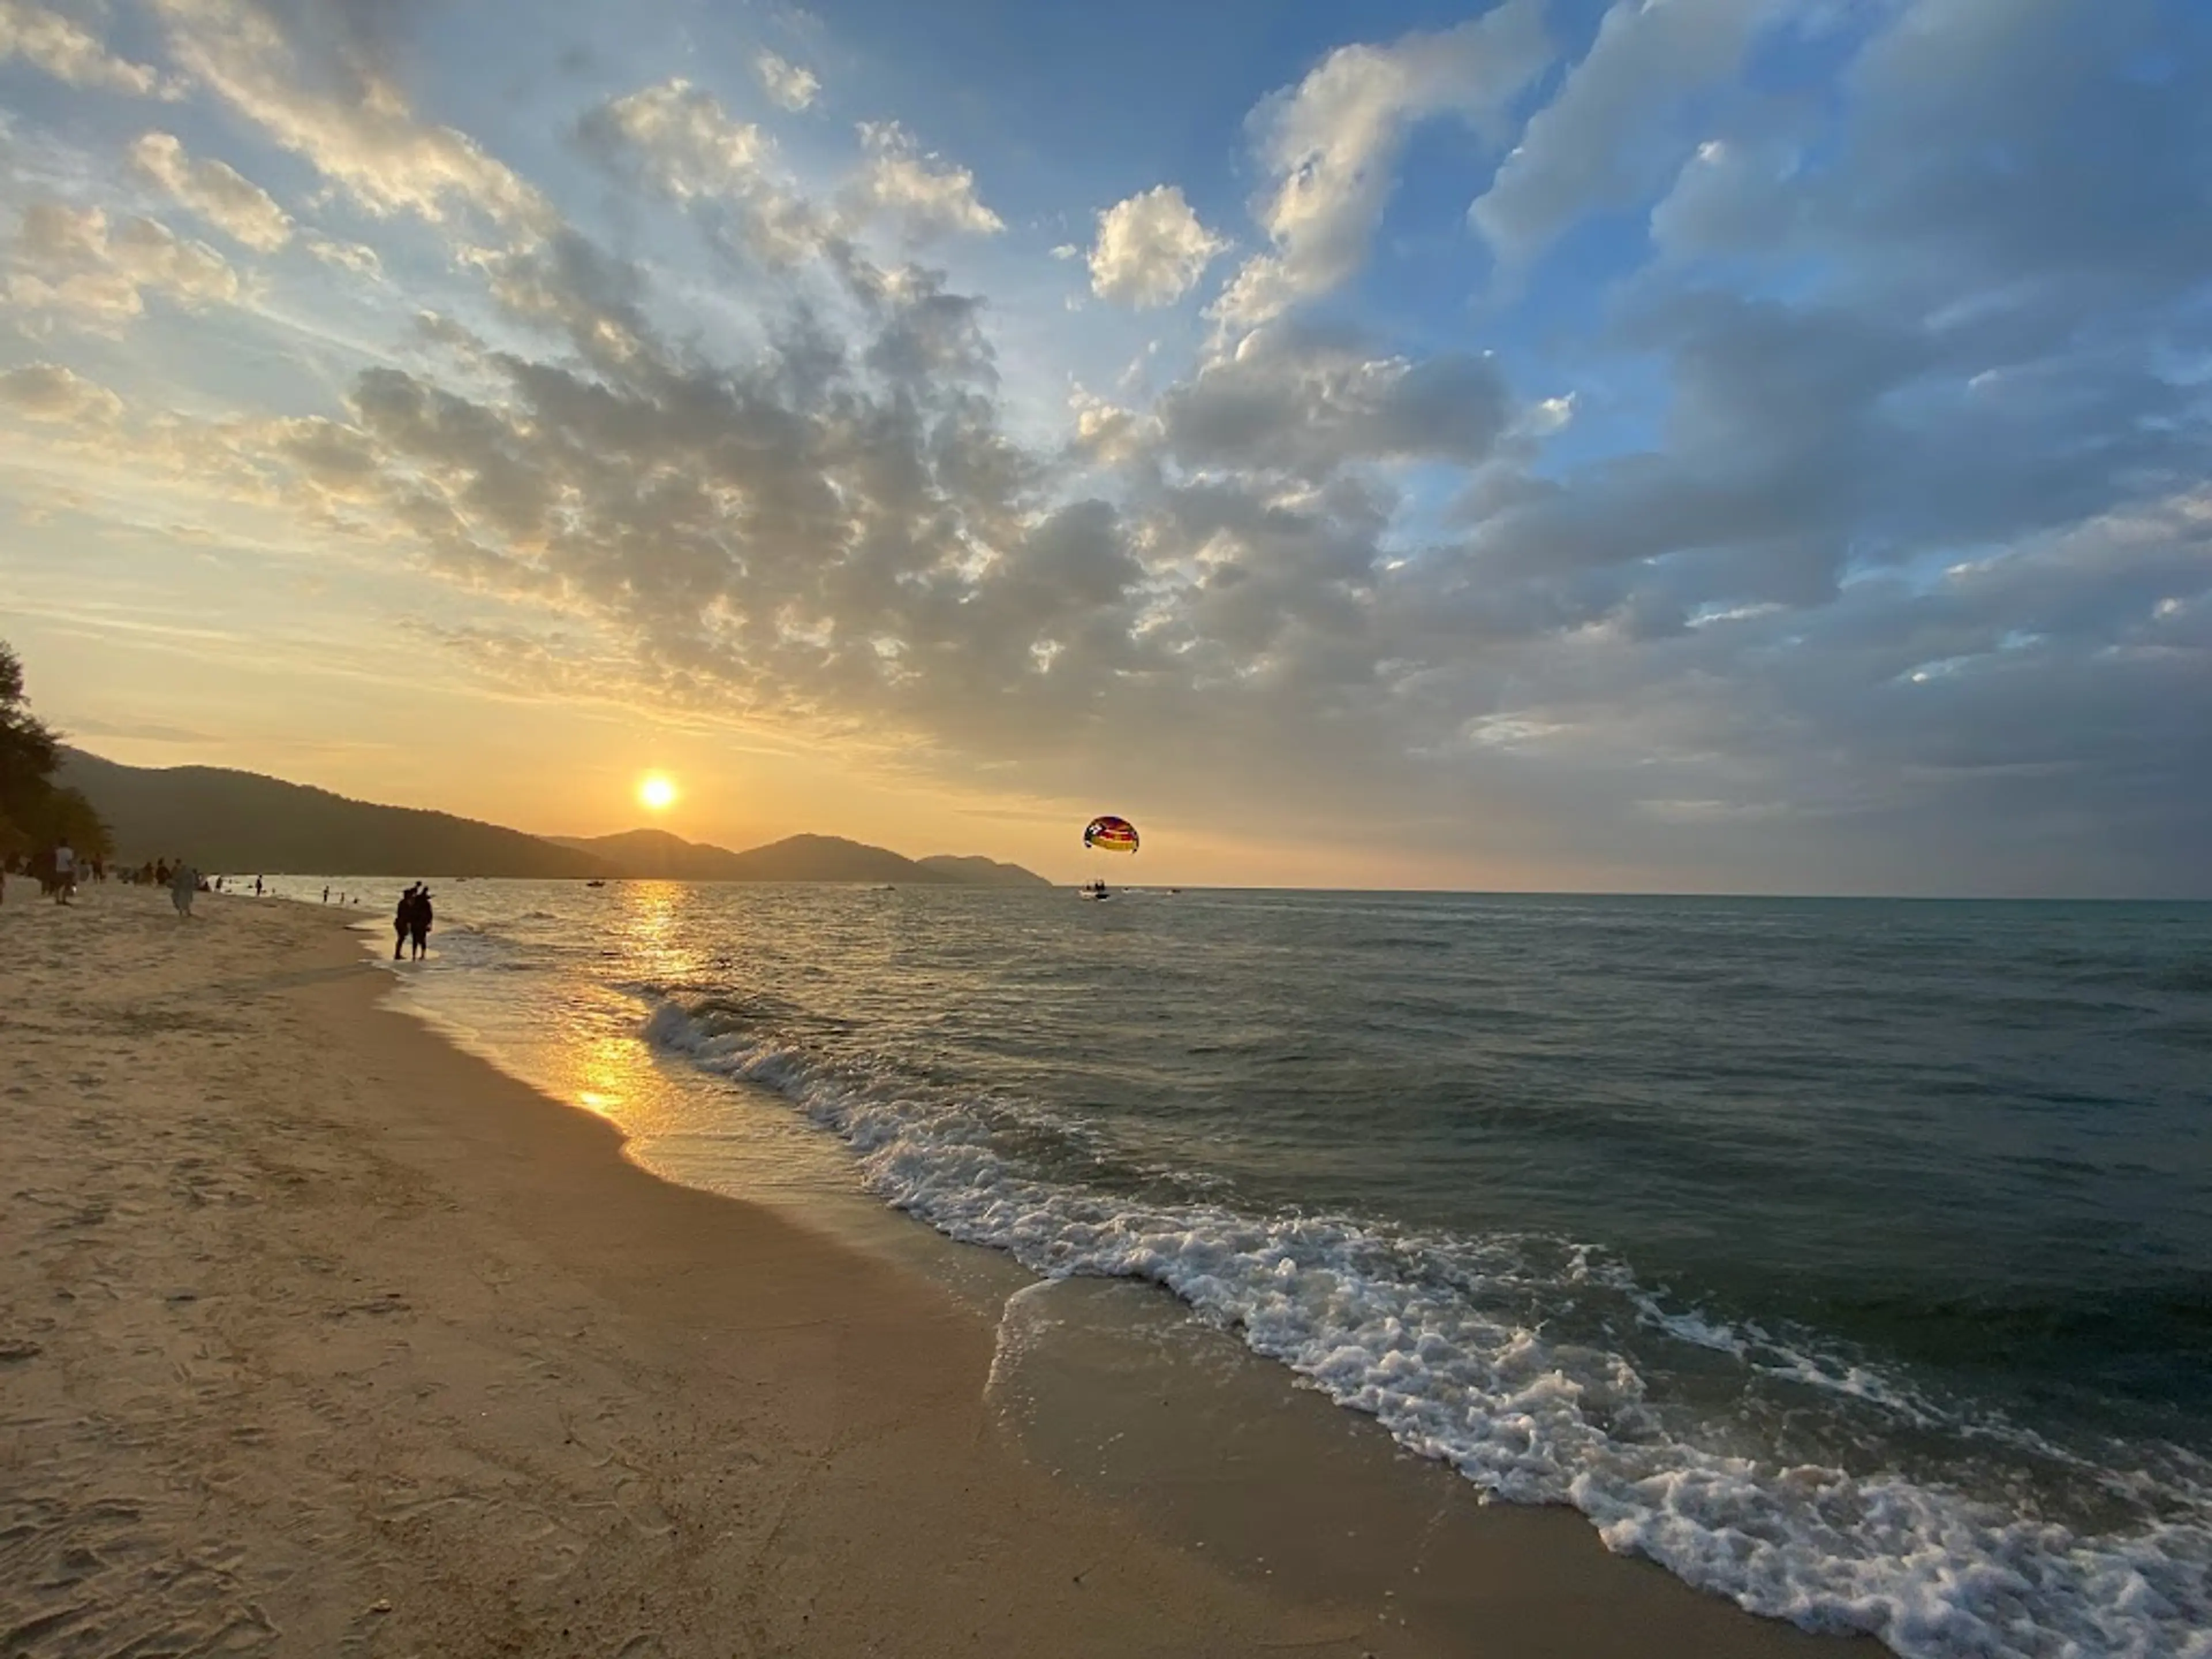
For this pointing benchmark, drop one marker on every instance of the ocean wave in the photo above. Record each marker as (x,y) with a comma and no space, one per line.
(1485,1354)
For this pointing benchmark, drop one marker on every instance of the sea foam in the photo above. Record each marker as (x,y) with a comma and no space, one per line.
(1451,1343)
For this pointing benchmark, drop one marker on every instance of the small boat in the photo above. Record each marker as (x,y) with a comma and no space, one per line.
(595,881)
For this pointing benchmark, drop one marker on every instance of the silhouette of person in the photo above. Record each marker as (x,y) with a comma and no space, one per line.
(418,928)
(401,920)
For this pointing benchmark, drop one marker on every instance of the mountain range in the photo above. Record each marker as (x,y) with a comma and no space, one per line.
(656,855)
(228,820)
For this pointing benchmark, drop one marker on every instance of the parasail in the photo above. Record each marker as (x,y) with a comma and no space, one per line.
(1110,835)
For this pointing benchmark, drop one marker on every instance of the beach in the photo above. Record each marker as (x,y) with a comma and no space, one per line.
(318,1336)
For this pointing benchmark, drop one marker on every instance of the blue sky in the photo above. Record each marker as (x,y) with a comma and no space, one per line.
(1670,444)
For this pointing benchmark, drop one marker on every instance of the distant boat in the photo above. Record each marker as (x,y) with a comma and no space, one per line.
(595,881)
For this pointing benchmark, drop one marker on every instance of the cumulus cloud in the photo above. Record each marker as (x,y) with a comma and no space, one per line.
(63,49)
(1610,134)
(689,144)
(47,391)
(217,193)
(1294,399)
(1151,249)
(681,142)
(1332,144)
(75,262)
(924,195)
(1109,433)
(789,85)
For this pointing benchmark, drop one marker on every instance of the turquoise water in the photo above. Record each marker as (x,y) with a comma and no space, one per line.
(1851,1259)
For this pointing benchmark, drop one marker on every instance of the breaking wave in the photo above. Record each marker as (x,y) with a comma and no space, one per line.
(1799,1478)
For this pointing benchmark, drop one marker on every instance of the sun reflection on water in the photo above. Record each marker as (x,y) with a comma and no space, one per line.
(649,920)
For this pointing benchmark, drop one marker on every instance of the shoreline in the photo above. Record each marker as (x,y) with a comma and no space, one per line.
(326,1335)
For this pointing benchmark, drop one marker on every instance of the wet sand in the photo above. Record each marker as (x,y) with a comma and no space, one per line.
(320,1336)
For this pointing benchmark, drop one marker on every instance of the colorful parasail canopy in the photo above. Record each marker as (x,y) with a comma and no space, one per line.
(1110,835)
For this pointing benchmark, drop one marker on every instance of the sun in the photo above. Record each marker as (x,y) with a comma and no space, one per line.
(656,793)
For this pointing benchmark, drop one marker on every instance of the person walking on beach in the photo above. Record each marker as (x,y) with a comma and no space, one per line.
(419,928)
(402,920)
(64,872)
(184,886)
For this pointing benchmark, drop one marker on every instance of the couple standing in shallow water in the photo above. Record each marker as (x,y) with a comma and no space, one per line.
(412,921)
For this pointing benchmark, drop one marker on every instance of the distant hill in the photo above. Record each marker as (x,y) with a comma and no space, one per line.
(241,821)
(654,855)
(982,873)
(832,858)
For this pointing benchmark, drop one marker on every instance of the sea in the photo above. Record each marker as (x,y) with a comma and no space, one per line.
(1849,1259)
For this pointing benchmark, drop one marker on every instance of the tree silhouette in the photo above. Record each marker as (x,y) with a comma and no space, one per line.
(33,813)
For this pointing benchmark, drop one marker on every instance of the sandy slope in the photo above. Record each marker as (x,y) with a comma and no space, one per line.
(319,1337)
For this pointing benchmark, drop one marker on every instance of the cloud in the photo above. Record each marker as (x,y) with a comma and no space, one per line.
(73,261)
(687,142)
(233,204)
(340,110)
(791,86)
(1298,400)
(1108,434)
(1151,249)
(47,391)
(63,48)
(86,726)
(924,195)
(2004,166)
(1611,132)
(680,142)
(355,257)
(1332,145)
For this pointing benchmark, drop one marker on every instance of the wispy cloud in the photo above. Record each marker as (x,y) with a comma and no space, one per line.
(65,50)
(217,192)
(790,86)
